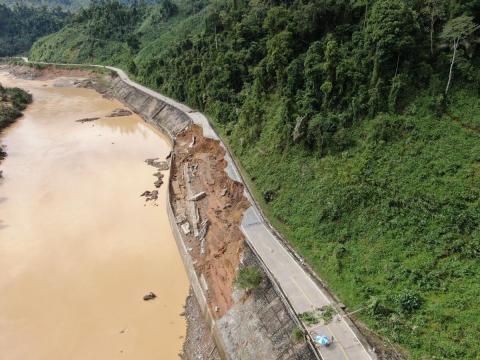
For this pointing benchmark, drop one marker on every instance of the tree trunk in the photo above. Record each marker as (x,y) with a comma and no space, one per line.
(432,23)
(398,62)
(455,45)
(365,23)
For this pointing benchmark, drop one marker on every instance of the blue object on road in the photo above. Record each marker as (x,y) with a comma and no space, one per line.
(322,340)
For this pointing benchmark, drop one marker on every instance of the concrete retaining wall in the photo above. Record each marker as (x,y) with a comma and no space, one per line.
(157,112)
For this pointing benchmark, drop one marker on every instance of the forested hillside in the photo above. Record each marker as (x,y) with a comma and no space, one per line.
(65,4)
(21,25)
(358,123)
(112,32)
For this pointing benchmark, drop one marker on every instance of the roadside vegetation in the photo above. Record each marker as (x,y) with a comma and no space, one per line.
(358,124)
(248,278)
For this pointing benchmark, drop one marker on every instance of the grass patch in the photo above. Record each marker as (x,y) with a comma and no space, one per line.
(248,278)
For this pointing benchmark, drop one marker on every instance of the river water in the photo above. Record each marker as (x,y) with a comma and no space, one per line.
(79,247)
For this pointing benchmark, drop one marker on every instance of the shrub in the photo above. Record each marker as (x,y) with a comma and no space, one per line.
(408,301)
(390,128)
(309,317)
(327,313)
(297,334)
(248,278)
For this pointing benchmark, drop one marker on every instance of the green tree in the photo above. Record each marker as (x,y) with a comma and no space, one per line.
(391,32)
(434,9)
(455,31)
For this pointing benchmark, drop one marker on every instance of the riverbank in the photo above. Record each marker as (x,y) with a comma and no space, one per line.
(199,344)
(75,232)
(12,102)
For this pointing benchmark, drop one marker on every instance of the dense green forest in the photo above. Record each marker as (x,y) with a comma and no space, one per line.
(64,4)
(21,25)
(111,32)
(70,5)
(358,123)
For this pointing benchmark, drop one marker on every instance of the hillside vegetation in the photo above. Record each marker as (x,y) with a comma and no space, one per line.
(358,123)
(64,4)
(111,32)
(21,25)
(12,102)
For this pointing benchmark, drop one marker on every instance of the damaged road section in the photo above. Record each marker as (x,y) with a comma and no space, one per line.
(208,207)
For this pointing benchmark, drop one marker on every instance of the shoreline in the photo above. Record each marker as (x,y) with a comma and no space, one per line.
(198,340)
(11,109)
(198,343)
(67,80)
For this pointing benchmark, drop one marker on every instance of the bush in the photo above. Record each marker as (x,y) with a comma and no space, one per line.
(391,128)
(408,301)
(327,313)
(309,317)
(248,278)
(297,334)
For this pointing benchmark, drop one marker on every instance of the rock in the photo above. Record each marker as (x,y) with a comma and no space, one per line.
(120,112)
(150,195)
(84,120)
(160,165)
(149,296)
(223,192)
(186,228)
(180,219)
(298,130)
(198,196)
(158,183)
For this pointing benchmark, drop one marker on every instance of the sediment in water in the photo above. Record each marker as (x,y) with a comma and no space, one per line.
(75,233)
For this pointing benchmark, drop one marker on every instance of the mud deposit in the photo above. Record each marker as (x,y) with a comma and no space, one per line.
(79,248)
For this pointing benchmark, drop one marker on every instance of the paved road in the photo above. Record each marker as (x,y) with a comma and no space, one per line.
(298,286)
(302,292)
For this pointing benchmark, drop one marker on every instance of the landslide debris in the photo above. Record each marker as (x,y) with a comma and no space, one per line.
(120,112)
(208,206)
(150,195)
(84,120)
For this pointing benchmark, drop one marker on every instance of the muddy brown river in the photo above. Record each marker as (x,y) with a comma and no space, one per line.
(79,247)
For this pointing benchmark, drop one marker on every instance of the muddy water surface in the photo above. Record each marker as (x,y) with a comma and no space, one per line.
(78,246)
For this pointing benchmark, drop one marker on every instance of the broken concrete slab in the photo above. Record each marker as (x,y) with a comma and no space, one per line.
(198,196)
(185,228)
